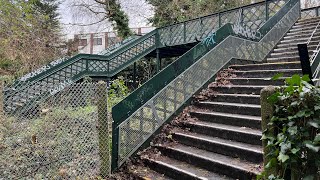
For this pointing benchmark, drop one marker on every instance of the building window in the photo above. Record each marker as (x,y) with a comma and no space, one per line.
(83,42)
(97,41)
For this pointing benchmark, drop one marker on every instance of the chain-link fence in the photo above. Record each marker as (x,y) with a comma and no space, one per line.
(65,136)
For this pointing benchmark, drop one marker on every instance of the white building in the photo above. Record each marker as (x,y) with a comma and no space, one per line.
(93,43)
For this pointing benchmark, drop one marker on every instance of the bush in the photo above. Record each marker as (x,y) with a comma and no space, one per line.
(293,134)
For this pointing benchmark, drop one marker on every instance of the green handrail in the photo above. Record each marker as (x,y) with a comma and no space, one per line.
(134,106)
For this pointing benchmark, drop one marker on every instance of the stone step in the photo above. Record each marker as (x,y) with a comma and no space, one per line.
(299,40)
(302,35)
(248,152)
(267,66)
(232,119)
(181,170)
(236,98)
(307,20)
(267,73)
(286,45)
(229,132)
(308,32)
(143,173)
(293,48)
(312,23)
(238,89)
(284,59)
(288,54)
(232,167)
(236,108)
(256,81)
(301,29)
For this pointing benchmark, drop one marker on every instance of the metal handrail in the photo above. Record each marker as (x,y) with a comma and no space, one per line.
(315,30)
(312,60)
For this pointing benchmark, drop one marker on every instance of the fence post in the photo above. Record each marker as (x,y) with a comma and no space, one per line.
(266,115)
(103,129)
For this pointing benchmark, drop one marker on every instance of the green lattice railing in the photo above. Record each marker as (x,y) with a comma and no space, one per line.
(310,12)
(61,73)
(141,114)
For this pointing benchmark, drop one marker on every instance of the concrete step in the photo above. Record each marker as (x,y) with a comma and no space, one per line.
(256,81)
(312,23)
(232,119)
(286,45)
(143,173)
(267,73)
(232,167)
(181,170)
(238,89)
(248,152)
(236,133)
(235,108)
(236,98)
(307,31)
(288,54)
(302,35)
(301,29)
(284,59)
(307,20)
(300,40)
(267,66)
(293,48)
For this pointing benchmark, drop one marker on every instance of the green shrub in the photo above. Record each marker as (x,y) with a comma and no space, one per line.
(293,134)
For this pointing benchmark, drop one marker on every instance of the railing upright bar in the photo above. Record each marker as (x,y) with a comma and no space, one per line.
(267,9)
(219,20)
(184,32)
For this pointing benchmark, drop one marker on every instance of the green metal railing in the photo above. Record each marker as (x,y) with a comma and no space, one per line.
(141,114)
(310,12)
(35,86)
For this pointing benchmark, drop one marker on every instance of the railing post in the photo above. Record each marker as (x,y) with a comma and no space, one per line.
(115,147)
(134,75)
(103,129)
(219,20)
(267,10)
(158,60)
(87,65)
(317,12)
(241,16)
(305,61)
(184,32)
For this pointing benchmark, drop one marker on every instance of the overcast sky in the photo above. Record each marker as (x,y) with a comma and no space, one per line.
(138,10)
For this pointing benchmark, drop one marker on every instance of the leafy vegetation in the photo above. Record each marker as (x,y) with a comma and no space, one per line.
(172,11)
(293,134)
(29,35)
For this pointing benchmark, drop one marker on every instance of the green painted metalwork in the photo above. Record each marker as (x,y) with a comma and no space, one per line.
(110,62)
(310,12)
(315,57)
(140,114)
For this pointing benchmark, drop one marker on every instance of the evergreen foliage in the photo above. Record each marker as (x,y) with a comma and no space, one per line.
(172,11)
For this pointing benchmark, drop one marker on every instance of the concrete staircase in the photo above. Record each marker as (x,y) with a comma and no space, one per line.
(219,137)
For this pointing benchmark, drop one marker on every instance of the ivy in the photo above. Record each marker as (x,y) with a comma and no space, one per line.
(292,135)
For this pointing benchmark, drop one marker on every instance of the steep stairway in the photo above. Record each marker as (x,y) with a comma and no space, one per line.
(218,136)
